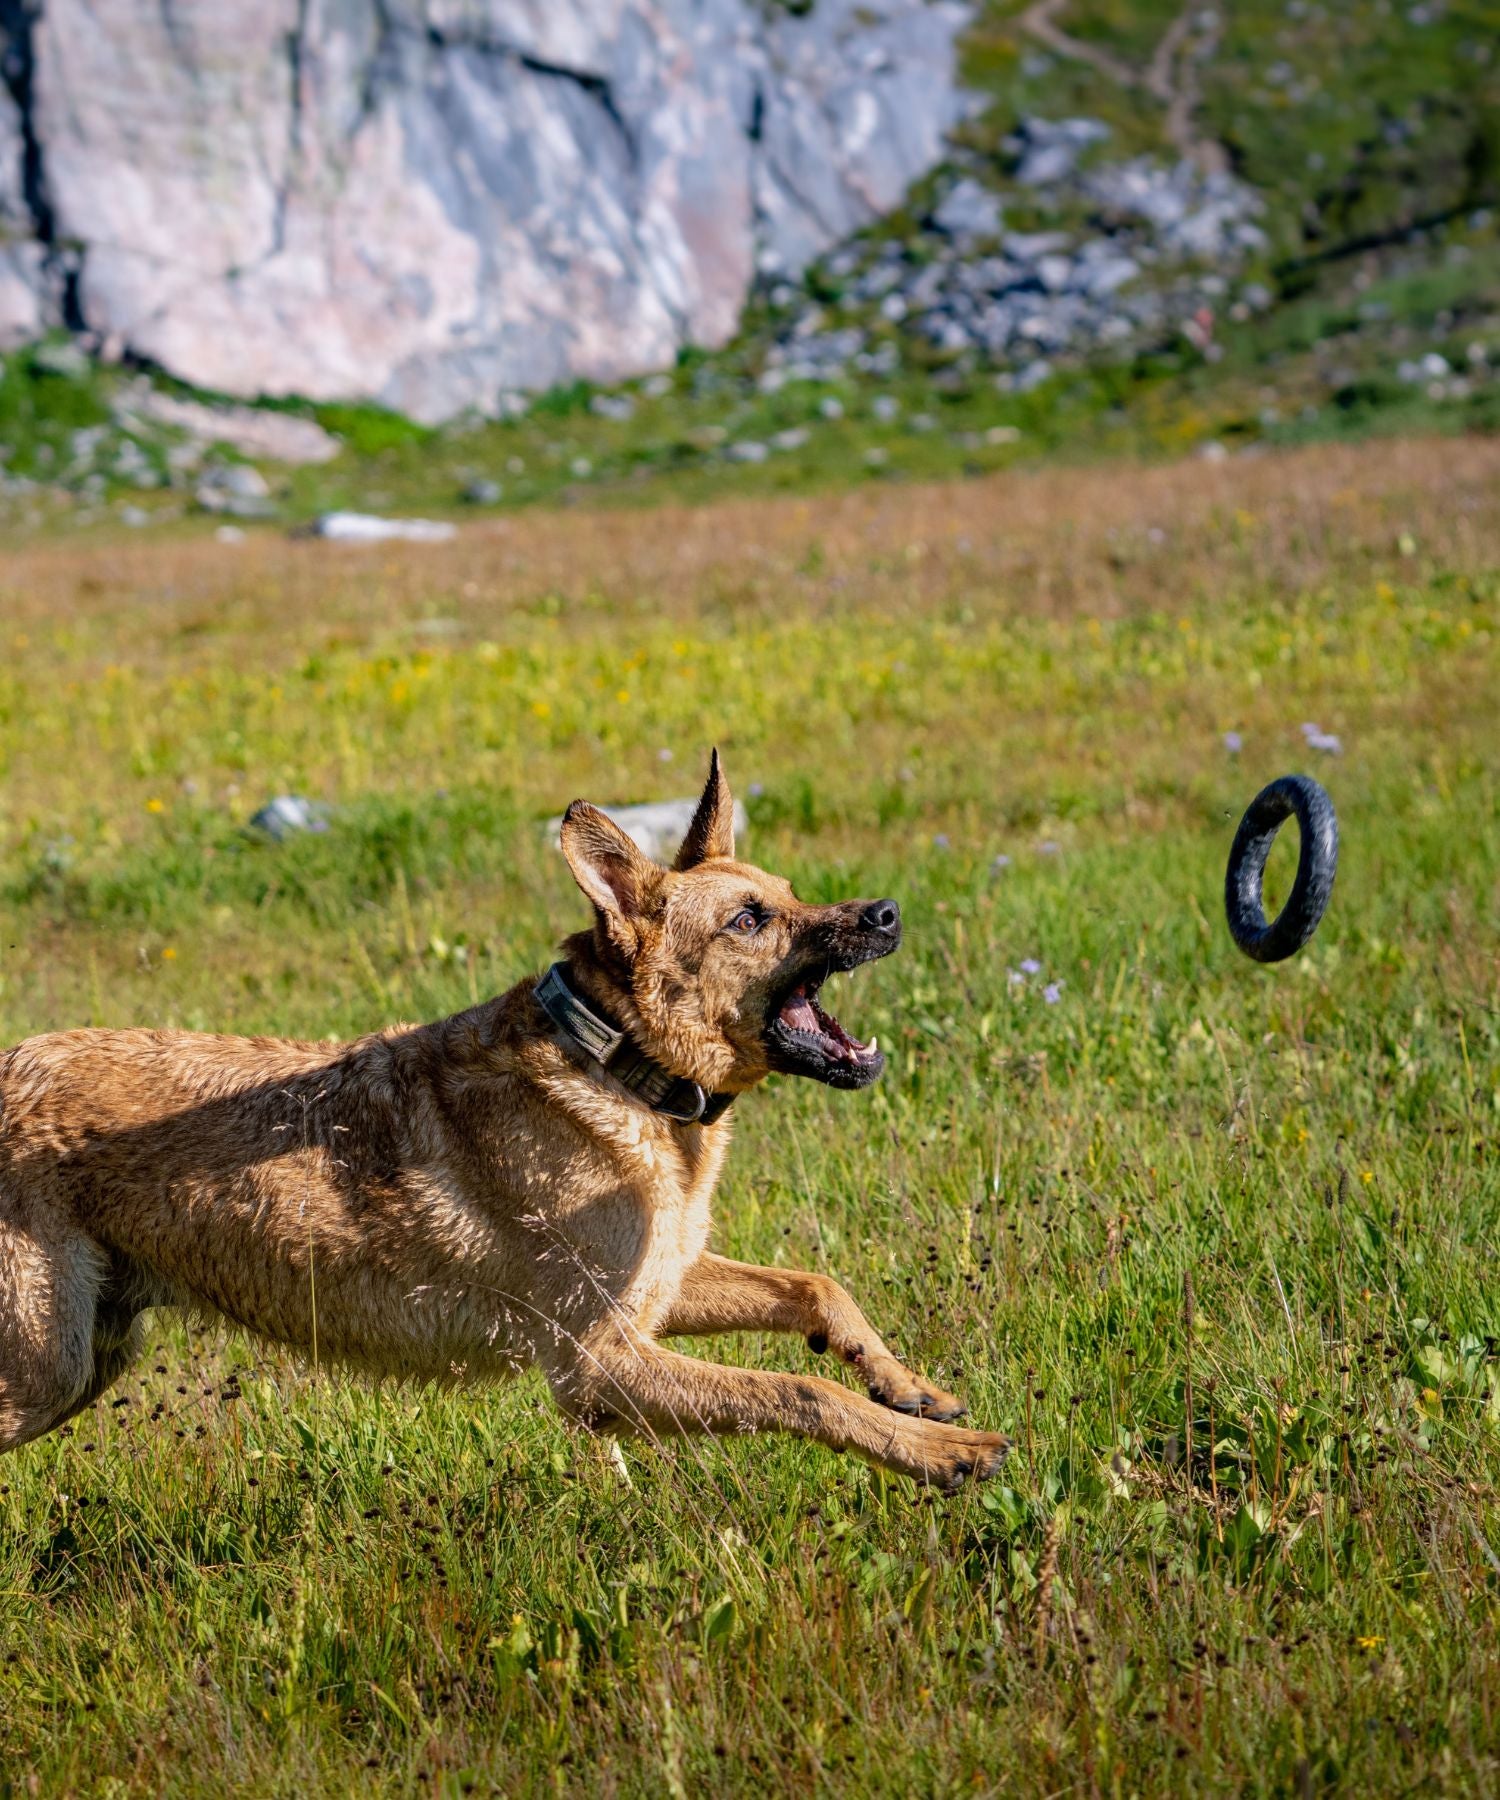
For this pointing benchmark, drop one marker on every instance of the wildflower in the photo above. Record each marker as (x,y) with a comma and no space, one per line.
(1369,1643)
(1030,966)
(1052,993)
(664,754)
(1048,848)
(940,840)
(623,696)
(1015,978)
(153,805)
(541,709)
(1002,861)
(169,954)
(1233,742)
(756,789)
(1367,1176)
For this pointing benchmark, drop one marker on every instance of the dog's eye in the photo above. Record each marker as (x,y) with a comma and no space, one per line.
(745,921)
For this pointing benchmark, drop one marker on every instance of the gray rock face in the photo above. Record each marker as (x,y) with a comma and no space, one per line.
(433,203)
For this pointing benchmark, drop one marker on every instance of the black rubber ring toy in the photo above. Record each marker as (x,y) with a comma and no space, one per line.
(1316,867)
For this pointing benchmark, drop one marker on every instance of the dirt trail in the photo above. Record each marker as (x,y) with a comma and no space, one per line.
(1172,76)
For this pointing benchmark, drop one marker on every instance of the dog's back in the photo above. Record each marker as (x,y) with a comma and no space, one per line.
(313,1193)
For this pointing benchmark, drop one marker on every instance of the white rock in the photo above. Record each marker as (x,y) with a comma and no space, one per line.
(367,528)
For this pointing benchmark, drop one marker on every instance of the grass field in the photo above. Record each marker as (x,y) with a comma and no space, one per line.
(1215,1243)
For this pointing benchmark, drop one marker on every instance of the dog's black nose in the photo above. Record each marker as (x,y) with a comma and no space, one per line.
(882,915)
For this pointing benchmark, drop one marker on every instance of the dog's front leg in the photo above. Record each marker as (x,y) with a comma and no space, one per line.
(720,1295)
(619,1381)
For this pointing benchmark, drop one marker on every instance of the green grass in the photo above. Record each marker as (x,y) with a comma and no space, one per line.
(254,1578)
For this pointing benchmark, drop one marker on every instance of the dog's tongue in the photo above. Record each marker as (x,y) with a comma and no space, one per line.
(801,1012)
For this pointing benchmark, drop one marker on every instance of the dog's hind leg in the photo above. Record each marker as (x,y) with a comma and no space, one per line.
(51,1277)
(620,1382)
(720,1295)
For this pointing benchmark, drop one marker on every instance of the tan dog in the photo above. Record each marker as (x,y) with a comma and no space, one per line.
(460,1200)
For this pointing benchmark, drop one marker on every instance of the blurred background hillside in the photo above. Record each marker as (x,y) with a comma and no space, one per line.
(475,253)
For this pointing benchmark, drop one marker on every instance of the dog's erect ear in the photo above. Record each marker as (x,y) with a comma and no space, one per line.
(712,830)
(608,867)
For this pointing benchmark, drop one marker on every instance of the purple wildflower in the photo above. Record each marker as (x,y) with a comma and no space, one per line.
(1030,966)
(1233,742)
(1052,993)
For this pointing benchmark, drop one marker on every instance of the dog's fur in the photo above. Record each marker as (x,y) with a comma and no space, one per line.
(460,1200)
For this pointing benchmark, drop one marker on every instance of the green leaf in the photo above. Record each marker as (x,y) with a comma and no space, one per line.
(718,1622)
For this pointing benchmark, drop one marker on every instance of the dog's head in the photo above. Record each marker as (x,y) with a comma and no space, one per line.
(714,966)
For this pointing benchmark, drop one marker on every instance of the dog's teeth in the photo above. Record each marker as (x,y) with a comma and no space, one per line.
(873,1045)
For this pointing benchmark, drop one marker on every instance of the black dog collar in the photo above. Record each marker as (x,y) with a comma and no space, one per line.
(676,1098)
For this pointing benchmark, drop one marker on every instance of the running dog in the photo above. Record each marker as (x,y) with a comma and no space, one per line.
(526,1183)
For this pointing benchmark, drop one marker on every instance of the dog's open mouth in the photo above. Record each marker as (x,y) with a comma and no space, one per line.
(800,1013)
(807,1040)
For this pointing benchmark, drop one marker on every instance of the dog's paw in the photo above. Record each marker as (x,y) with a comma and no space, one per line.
(888,1384)
(977,1457)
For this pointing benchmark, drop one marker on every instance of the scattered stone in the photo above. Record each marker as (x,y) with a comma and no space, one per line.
(270,436)
(63,359)
(580,468)
(793,438)
(885,407)
(747,451)
(288,815)
(969,211)
(1047,150)
(831,408)
(619,407)
(229,534)
(1431,367)
(656,827)
(134,517)
(237,488)
(483,492)
(368,528)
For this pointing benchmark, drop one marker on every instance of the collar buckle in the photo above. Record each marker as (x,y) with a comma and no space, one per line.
(695,1106)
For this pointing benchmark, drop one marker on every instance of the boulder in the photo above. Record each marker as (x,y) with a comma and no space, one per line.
(433,204)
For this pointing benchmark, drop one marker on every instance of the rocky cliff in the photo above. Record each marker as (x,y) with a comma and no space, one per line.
(434,203)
